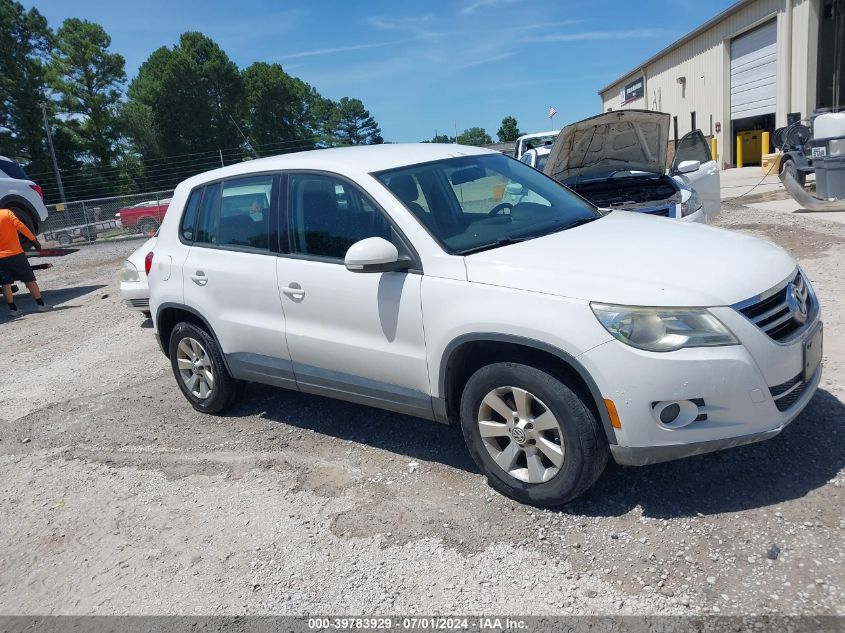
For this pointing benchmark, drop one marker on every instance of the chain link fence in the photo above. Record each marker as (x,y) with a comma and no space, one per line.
(101,219)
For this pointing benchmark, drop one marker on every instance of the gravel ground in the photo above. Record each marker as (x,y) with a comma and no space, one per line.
(117,498)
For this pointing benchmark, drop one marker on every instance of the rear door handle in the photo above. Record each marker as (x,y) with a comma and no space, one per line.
(294,291)
(199,278)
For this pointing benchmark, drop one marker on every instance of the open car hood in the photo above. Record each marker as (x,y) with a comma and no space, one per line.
(625,140)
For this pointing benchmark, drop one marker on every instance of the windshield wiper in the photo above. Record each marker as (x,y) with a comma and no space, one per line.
(579,222)
(503,241)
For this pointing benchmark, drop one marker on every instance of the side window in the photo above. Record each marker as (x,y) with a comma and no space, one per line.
(207,223)
(244,218)
(327,215)
(692,146)
(189,218)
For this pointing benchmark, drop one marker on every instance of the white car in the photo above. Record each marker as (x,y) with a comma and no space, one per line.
(21,195)
(134,289)
(537,140)
(554,334)
(536,158)
(617,160)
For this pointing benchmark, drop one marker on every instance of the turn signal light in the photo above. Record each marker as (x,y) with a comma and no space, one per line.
(148,263)
(37,190)
(615,422)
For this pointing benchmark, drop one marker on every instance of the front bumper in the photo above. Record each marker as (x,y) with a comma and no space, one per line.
(732,390)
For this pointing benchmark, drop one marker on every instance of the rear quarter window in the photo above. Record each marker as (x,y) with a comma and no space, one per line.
(12,169)
(189,218)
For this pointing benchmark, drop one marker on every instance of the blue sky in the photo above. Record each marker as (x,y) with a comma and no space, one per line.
(419,66)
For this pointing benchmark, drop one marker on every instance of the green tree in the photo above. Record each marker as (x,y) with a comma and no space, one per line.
(348,122)
(509,130)
(185,100)
(26,42)
(279,109)
(89,81)
(441,138)
(474,136)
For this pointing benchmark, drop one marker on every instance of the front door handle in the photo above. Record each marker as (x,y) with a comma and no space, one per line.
(294,291)
(199,278)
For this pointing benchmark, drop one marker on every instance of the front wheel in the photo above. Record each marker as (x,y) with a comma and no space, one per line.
(531,435)
(198,366)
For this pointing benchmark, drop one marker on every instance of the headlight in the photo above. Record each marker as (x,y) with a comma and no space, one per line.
(692,204)
(129,272)
(663,329)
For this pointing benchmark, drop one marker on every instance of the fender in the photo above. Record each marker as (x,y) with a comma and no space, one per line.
(565,357)
(26,204)
(184,308)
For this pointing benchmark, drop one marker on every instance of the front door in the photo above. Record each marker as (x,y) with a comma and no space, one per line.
(230,277)
(705,180)
(354,336)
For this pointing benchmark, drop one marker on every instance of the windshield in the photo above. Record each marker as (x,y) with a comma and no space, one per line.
(471,203)
(541,161)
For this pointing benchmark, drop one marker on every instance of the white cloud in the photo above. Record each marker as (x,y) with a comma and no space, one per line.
(338,49)
(481,4)
(594,35)
(408,23)
(485,60)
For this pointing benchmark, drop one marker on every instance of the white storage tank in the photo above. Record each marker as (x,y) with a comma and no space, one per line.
(829,125)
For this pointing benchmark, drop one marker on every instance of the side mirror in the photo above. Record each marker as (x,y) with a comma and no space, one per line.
(514,189)
(375,255)
(687,166)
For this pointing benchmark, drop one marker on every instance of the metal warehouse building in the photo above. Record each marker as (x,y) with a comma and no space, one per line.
(758,65)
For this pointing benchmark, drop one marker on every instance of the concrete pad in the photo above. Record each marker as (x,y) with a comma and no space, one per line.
(745,181)
(789,206)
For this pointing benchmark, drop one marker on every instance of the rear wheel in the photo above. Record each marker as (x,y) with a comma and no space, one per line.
(531,435)
(64,239)
(148,226)
(25,216)
(198,366)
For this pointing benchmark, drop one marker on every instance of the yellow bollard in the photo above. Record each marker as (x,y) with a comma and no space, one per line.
(739,150)
(714,148)
(764,142)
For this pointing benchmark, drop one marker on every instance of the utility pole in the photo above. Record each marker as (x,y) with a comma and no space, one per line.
(456,131)
(53,154)
(222,164)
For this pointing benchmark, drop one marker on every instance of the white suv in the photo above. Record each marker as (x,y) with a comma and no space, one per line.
(393,276)
(21,195)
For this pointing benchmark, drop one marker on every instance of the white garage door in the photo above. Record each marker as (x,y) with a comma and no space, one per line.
(754,72)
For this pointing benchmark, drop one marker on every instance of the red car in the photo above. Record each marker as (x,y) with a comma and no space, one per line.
(145,217)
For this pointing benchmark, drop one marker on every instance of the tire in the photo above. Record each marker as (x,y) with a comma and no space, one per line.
(584,445)
(64,239)
(148,226)
(788,166)
(223,390)
(25,216)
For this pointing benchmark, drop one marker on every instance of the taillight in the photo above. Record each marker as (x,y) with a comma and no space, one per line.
(148,263)
(37,190)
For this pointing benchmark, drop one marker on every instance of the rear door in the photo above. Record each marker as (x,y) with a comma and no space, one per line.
(705,181)
(230,276)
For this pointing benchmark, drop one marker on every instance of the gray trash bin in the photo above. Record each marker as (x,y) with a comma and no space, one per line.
(830,169)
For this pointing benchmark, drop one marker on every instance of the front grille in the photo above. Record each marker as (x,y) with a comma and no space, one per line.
(788,393)
(138,303)
(777,313)
(661,212)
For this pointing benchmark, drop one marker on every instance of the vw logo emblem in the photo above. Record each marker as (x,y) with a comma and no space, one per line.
(518,435)
(797,303)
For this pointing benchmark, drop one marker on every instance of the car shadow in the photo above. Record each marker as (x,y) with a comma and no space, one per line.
(57,296)
(415,438)
(805,456)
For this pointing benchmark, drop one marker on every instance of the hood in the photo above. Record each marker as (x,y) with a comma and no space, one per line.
(635,259)
(627,139)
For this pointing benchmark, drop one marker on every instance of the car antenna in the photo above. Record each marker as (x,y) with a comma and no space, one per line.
(246,140)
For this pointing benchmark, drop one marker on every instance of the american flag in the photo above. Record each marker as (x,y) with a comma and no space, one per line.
(552,112)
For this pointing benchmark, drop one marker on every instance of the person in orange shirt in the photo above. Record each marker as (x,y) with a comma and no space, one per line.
(13,263)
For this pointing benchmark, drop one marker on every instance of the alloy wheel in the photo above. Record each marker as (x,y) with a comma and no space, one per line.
(521,434)
(195,367)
